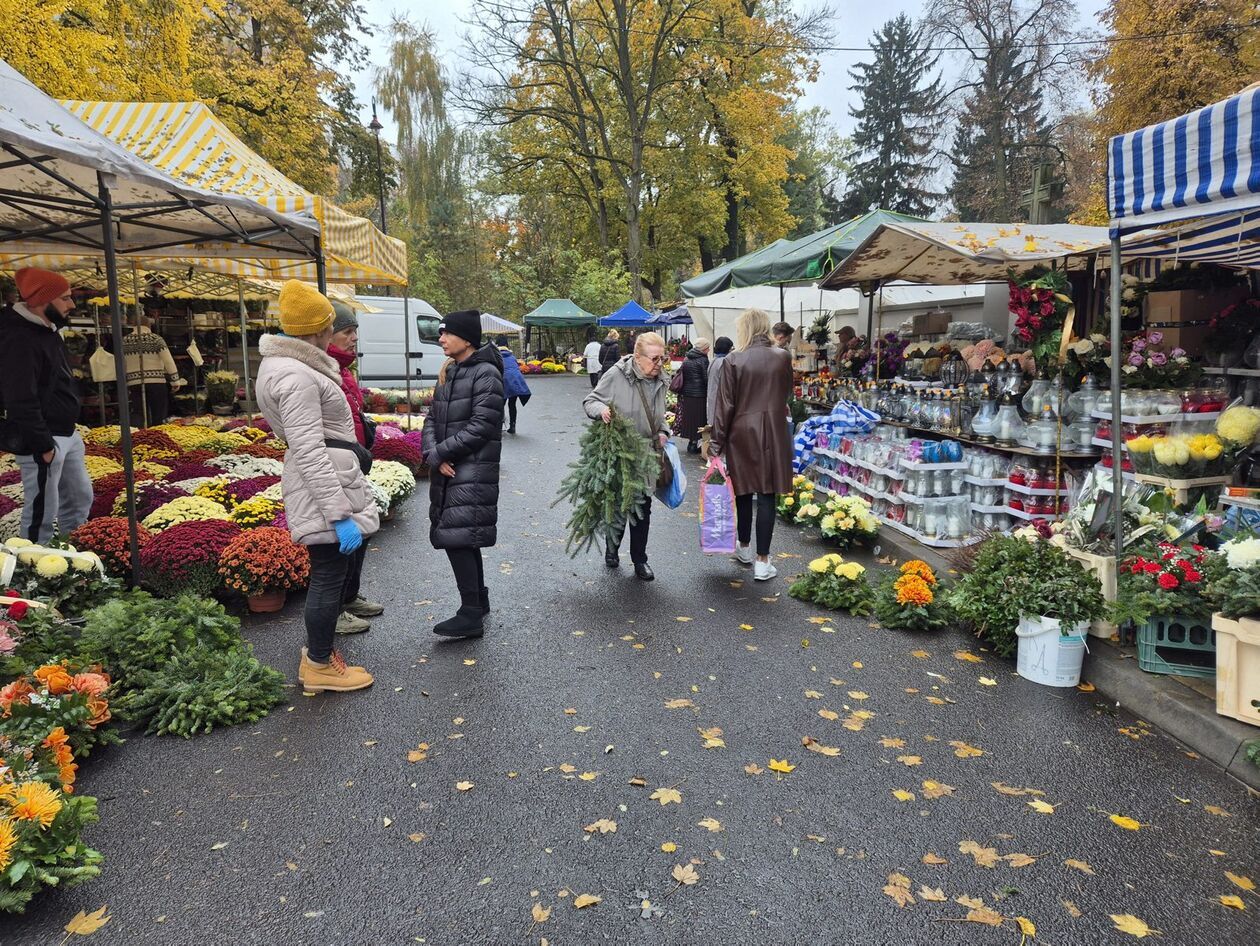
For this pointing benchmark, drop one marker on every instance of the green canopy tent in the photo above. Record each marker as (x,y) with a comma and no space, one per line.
(558,313)
(718,279)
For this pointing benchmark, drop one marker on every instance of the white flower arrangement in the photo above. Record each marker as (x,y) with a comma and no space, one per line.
(396,480)
(242,466)
(1241,553)
(380,497)
(273,492)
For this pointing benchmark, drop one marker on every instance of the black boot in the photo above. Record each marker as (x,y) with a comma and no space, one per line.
(485,601)
(467,620)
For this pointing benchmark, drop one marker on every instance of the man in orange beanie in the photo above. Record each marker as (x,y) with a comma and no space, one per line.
(40,399)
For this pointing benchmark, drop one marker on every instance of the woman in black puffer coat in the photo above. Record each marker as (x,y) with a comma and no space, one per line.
(462,443)
(693,398)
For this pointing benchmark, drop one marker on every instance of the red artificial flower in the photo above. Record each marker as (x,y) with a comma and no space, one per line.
(1150,568)
(18,609)
(1168,581)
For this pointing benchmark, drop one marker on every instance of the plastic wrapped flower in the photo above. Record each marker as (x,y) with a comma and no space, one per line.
(51,566)
(1241,553)
(1239,425)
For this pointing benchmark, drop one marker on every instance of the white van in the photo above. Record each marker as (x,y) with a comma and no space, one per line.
(383,362)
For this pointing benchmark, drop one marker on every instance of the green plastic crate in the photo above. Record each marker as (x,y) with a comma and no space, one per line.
(1177,644)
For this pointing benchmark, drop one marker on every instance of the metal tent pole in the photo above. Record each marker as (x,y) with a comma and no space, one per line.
(240,298)
(136,314)
(321,268)
(407,350)
(1117,455)
(120,371)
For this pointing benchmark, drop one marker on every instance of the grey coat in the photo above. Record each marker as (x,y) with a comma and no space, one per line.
(619,388)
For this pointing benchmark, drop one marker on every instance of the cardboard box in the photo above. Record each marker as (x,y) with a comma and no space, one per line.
(1164,310)
(930,323)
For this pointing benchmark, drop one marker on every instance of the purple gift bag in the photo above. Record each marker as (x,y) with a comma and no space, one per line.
(717,510)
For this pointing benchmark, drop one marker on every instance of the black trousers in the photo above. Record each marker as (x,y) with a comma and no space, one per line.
(595,376)
(354,574)
(157,402)
(325,595)
(765,519)
(511,405)
(638,534)
(470,574)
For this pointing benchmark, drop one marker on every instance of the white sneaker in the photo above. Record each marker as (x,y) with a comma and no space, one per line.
(763,571)
(743,554)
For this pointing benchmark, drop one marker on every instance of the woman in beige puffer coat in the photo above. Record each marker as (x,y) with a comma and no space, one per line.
(328,503)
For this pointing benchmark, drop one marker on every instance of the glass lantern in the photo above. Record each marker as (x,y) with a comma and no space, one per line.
(1080,408)
(1008,426)
(1042,434)
(986,413)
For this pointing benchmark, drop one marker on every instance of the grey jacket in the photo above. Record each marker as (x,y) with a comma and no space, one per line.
(618,388)
(715,373)
(299,392)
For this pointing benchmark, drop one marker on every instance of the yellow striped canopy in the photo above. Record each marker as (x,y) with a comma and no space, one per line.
(188,142)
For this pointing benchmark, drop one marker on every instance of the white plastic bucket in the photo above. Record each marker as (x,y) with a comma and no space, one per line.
(1046,655)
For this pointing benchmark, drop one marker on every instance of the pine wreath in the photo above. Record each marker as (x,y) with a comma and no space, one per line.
(608,483)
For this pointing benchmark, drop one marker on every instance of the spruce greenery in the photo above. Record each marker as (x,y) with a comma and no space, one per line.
(608,483)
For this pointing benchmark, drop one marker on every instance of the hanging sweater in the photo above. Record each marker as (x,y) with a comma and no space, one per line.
(148,359)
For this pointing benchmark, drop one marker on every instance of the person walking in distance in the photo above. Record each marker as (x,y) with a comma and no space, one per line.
(342,349)
(610,351)
(40,400)
(514,387)
(633,387)
(782,333)
(750,431)
(327,501)
(463,439)
(591,355)
(721,348)
(693,398)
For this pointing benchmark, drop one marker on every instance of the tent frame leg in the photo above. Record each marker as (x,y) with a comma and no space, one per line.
(1117,445)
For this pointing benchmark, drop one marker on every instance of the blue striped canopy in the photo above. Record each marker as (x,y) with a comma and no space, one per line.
(1201,164)
(1232,240)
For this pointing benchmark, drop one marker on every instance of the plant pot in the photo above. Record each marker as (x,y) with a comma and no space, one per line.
(268,602)
(1237,668)
(1047,655)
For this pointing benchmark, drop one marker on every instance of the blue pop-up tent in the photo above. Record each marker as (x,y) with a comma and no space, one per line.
(629,314)
(675,316)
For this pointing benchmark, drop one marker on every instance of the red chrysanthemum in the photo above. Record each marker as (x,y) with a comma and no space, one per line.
(1168,581)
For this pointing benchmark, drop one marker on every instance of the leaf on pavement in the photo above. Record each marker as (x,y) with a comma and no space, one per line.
(567,768)
(968,656)
(984,915)
(1073,910)
(1125,822)
(1026,926)
(1216,810)
(814,745)
(710,824)
(933,859)
(898,887)
(1232,900)
(973,903)
(85,924)
(464,786)
(1019,860)
(669,847)
(781,765)
(858,695)
(680,703)
(932,894)
(1243,883)
(829,714)
(582,901)
(909,760)
(589,776)
(921,654)
(1042,806)
(1082,866)
(983,856)
(752,768)
(1128,923)
(988,682)
(685,874)
(682,619)
(603,826)
(1086,687)
(889,743)
(934,789)
(1003,789)
(965,751)
(902,795)
(540,913)
(813,695)
(667,795)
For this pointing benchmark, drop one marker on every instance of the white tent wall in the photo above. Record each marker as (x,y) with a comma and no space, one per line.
(984,303)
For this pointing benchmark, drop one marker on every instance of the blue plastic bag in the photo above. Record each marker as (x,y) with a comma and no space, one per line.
(673,495)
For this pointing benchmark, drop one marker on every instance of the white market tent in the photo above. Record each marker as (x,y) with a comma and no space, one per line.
(493,325)
(67,190)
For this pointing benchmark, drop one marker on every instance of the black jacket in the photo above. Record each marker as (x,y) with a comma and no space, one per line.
(609,354)
(695,369)
(464,426)
(38,393)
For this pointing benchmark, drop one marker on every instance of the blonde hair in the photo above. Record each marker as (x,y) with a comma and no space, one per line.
(751,324)
(646,340)
(613,335)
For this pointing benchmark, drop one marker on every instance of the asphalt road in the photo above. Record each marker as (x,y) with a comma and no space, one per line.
(559,718)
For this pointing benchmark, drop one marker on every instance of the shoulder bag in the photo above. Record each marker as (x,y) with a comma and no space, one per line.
(666,475)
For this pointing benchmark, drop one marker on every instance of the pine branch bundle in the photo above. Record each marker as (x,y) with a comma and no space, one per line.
(607,484)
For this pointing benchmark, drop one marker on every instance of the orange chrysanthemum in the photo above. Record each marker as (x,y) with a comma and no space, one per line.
(921,569)
(55,677)
(93,684)
(18,691)
(912,589)
(36,801)
(8,840)
(66,775)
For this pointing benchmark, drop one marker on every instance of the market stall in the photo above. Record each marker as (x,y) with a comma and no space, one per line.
(554,315)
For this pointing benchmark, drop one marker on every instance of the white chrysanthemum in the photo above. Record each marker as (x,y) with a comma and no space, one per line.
(1242,553)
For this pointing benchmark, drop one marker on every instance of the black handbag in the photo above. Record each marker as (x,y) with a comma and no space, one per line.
(359,451)
(369,430)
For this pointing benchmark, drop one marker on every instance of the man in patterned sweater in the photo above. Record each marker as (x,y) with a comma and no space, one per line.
(149,368)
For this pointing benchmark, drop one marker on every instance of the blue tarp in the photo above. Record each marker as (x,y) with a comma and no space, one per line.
(675,316)
(629,314)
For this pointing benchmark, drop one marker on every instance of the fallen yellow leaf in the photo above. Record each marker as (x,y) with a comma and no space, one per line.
(933,789)
(965,751)
(931,894)
(685,874)
(988,682)
(589,776)
(902,795)
(680,703)
(669,847)
(603,826)
(984,915)
(968,656)
(1125,822)
(909,760)
(856,665)
(586,900)
(581,728)
(933,859)
(1243,883)
(921,654)
(469,661)
(1086,687)
(710,824)
(417,837)
(1128,923)
(857,695)
(1042,806)
(1019,860)
(1232,900)
(889,743)
(971,903)
(567,769)
(683,620)
(1082,866)
(463,786)
(1004,789)
(777,765)
(813,695)
(667,795)
(752,768)
(983,856)
(1026,926)
(85,924)
(814,746)
(898,887)
(1072,909)
(746,627)
(540,913)
(1216,810)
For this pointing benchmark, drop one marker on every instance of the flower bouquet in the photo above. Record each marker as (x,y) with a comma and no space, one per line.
(109,538)
(1146,365)
(790,505)
(264,560)
(910,599)
(185,557)
(59,575)
(1166,580)
(835,584)
(889,355)
(56,699)
(1040,304)
(1181,456)
(847,520)
(1239,426)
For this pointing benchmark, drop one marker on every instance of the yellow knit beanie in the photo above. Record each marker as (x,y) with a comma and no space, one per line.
(304,310)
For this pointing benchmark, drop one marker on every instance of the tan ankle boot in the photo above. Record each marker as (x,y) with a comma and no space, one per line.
(333,676)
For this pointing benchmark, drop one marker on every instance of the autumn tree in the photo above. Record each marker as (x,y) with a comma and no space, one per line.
(1013,53)
(819,162)
(897,124)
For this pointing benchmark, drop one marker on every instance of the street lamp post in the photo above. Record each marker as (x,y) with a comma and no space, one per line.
(375,127)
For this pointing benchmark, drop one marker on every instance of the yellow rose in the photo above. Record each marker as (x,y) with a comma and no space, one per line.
(1212,452)
(788,501)
(1141,444)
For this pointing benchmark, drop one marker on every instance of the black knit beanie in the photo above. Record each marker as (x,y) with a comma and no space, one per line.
(465,324)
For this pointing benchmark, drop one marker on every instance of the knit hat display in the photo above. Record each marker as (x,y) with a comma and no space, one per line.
(304,310)
(465,324)
(39,287)
(343,317)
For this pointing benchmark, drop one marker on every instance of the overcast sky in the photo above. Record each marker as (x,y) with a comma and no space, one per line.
(854,22)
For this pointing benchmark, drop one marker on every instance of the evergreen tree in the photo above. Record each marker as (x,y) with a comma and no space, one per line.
(896,124)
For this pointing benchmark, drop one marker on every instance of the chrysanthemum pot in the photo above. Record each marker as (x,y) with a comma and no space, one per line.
(268,602)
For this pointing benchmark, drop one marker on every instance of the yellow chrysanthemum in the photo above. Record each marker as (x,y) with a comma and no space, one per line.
(17,542)
(849,570)
(921,568)
(1239,425)
(51,566)
(8,840)
(911,589)
(35,801)
(819,565)
(828,523)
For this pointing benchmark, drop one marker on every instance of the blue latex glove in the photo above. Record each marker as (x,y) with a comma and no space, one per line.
(348,535)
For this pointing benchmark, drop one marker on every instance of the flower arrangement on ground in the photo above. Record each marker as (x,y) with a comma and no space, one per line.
(215,490)
(54,697)
(1235,592)
(1166,580)
(109,538)
(847,520)
(60,575)
(185,557)
(790,506)
(242,466)
(263,559)
(910,599)
(400,450)
(255,512)
(248,488)
(831,582)
(150,494)
(393,477)
(183,509)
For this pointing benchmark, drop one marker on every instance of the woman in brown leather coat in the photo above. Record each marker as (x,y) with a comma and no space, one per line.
(750,432)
